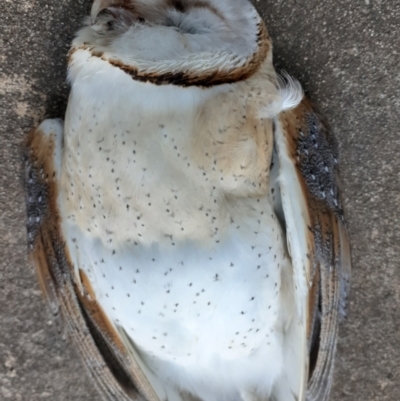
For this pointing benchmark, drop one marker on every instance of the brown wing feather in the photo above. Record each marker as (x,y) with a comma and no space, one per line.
(313,151)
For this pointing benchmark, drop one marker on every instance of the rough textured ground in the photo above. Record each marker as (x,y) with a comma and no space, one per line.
(347,55)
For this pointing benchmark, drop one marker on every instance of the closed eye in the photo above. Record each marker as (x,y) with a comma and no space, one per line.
(197,20)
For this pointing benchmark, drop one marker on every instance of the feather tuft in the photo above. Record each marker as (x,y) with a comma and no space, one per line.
(290,90)
(289,96)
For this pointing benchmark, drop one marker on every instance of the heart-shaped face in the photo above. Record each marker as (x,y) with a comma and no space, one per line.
(183,43)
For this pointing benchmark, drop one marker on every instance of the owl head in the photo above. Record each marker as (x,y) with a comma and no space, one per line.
(204,42)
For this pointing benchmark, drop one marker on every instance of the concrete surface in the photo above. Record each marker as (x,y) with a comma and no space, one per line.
(347,55)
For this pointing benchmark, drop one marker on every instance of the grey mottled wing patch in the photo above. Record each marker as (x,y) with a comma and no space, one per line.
(36,198)
(318,163)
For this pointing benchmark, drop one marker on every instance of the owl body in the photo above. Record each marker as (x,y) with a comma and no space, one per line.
(186,214)
(176,200)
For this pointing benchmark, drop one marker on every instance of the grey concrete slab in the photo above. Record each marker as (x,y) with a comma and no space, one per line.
(347,56)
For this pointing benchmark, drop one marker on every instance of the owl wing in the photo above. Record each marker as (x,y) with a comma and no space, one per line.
(108,353)
(316,237)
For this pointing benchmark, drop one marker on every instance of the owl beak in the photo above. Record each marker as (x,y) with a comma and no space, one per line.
(99,5)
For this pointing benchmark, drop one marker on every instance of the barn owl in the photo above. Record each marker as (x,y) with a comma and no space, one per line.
(185,218)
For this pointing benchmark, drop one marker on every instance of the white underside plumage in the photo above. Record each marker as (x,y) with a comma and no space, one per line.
(208,320)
